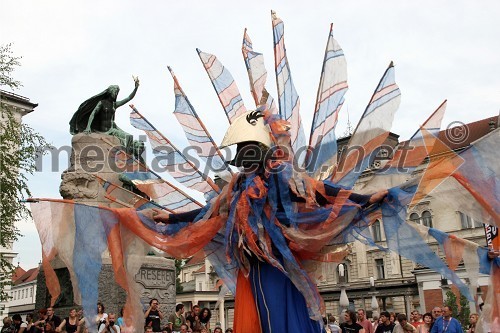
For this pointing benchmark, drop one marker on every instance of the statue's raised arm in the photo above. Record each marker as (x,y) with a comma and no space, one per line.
(132,94)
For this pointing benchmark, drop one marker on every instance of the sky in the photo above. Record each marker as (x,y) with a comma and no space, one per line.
(73,50)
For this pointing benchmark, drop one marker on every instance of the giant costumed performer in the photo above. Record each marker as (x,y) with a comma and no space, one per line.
(266,206)
(266,229)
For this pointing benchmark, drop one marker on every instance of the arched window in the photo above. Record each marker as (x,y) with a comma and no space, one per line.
(376,232)
(414,218)
(427,219)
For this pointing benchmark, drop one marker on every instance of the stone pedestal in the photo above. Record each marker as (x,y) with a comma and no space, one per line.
(92,155)
(99,155)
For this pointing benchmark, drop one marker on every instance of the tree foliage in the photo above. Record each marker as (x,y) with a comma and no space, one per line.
(20,146)
(460,313)
(178,266)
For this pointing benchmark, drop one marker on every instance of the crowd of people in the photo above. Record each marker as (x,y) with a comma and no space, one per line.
(197,320)
(439,320)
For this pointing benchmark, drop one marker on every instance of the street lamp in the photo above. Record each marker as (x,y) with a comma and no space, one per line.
(344,301)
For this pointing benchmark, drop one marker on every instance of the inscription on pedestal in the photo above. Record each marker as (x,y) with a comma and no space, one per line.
(154,278)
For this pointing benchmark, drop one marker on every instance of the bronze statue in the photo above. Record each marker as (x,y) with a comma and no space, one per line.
(97,114)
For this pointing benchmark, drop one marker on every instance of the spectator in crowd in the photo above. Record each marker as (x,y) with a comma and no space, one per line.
(110,325)
(403,326)
(193,319)
(119,321)
(31,328)
(425,326)
(367,325)
(184,328)
(70,324)
(42,315)
(473,319)
(49,327)
(229,330)
(446,323)
(8,326)
(205,316)
(153,315)
(177,319)
(393,317)
(217,330)
(100,319)
(436,313)
(385,325)
(375,322)
(148,329)
(52,318)
(19,324)
(415,318)
(332,325)
(350,325)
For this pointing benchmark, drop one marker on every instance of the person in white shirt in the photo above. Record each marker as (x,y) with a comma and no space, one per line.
(110,326)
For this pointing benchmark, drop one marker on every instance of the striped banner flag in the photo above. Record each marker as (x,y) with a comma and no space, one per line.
(224,85)
(372,130)
(330,98)
(408,155)
(197,134)
(257,74)
(288,100)
(162,192)
(126,198)
(183,170)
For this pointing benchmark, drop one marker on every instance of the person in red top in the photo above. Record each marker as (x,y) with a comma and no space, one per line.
(367,325)
(415,318)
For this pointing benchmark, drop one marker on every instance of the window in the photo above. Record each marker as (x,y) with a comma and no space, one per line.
(22,293)
(478,224)
(465,221)
(414,218)
(376,233)
(31,292)
(427,219)
(379,268)
(345,278)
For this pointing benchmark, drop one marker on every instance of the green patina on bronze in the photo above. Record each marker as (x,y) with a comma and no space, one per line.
(97,114)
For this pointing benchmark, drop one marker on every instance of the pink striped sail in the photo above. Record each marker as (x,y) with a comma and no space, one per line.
(179,167)
(196,132)
(289,102)
(372,130)
(330,98)
(224,85)
(257,74)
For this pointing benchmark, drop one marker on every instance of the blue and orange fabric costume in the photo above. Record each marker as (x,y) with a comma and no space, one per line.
(272,221)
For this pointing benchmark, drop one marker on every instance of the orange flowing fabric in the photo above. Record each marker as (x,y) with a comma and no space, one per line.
(246,317)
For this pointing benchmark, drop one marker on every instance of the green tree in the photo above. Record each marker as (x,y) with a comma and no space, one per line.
(460,313)
(20,146)
(178,265)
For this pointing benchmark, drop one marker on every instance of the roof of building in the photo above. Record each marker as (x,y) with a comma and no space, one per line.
(196,260)
(201,269)
(462,135)
(18,272)
(28,276)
